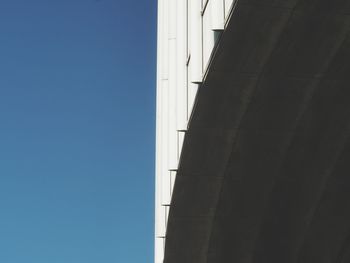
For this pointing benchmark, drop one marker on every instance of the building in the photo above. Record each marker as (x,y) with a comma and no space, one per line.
(187,32)
(253,125)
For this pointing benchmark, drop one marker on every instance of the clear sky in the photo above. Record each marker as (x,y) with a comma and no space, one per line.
(77,103)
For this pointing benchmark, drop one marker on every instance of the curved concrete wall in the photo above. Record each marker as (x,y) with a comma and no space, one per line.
(264,169)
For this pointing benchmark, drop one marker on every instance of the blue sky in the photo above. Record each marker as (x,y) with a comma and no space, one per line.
(77,102)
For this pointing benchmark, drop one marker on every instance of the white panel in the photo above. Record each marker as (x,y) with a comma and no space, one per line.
(159,250)
(191,93)
(228,5)
(208,35)
(172,180)
(166,189)
(196,41)
(167,208)
(172,18)
(181,96)
(193,88)
(164,175)
(161,39)
(180,38)
(180,136)
(161,230)
(172,118)
(217,14)
(159,160)
(164,39)
(188,27)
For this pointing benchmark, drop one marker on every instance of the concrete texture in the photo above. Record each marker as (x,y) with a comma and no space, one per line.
(264,175)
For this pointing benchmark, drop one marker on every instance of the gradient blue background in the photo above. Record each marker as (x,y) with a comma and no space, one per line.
(77,102)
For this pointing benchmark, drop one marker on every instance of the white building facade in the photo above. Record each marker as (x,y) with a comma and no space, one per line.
(187,33)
